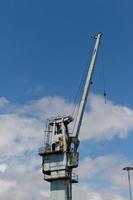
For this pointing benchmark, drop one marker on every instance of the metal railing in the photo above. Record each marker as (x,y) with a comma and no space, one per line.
(75,177)
(41,150)
(54,176)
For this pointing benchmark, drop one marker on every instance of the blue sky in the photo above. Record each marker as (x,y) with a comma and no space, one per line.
(44,50)
(42,40)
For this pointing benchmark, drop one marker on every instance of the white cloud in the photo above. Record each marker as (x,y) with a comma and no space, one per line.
(105,168)
(47,107)
(101,121)
(21,129)
(84,191)
(3,167)
(3,102)
(6,186)
(105,121)
(18,134)
(22,181)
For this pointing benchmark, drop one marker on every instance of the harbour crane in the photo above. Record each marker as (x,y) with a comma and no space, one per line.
(60,151)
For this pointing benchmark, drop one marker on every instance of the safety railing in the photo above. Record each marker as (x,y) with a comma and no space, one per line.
(74,178)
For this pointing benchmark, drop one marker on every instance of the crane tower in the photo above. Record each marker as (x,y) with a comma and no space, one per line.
(60,150)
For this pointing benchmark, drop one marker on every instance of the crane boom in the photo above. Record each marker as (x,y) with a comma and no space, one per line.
(86,87)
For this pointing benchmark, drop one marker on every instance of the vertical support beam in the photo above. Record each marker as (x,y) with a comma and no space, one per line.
(61,189)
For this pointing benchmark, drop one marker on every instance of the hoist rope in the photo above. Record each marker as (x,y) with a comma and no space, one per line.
(103,79)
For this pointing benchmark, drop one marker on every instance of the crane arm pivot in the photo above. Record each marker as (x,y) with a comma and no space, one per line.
(86,88)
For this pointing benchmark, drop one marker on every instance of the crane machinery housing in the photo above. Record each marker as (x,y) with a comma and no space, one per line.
(60,151)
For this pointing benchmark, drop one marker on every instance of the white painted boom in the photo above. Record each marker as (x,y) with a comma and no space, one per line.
(86,87)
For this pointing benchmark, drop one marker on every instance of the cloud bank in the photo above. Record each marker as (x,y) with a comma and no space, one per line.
(21,130)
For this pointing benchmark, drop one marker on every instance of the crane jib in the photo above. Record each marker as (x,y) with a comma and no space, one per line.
(86,87)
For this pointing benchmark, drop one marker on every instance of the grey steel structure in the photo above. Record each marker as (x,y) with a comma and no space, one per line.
(60,151)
